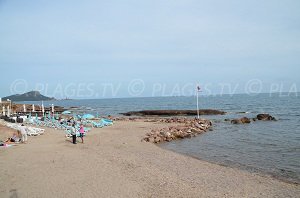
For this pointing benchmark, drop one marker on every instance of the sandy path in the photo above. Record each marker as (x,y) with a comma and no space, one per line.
(114,163)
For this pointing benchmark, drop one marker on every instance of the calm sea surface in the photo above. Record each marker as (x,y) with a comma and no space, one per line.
(264,147)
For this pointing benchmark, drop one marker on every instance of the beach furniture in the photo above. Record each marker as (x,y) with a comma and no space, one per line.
(102,123)
(31,131)
(66,113)
(88,116)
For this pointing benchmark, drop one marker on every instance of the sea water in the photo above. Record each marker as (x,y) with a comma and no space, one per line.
(271,147)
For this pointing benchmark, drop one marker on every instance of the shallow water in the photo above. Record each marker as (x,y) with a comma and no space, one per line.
(268,147)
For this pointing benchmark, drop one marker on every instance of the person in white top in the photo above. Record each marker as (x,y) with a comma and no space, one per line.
(73,132)
(23,131)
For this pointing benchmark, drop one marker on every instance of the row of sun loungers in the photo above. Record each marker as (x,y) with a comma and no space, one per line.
(34,124)
(102,123)
(52,123)
(31,131)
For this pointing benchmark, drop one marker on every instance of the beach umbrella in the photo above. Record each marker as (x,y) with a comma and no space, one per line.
(24,108)
(66,112)
(43,109)
(88,116)
(8,111)
(3,110)
(52,108)
(33,109)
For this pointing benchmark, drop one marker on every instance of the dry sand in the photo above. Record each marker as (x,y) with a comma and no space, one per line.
(113,162)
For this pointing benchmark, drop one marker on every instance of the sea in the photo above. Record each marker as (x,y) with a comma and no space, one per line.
(263,147)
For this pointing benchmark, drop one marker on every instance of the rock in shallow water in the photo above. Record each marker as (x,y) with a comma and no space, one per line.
(243,120)
(265,117)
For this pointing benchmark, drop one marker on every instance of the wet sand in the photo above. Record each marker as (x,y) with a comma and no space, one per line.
(113,162)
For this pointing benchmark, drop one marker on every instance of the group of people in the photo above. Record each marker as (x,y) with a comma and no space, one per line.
(19,136)
(72,122)
(73,133)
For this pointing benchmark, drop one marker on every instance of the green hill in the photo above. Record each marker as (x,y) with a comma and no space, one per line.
(29,96)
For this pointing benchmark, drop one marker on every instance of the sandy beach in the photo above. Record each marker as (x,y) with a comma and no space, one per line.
(113,162)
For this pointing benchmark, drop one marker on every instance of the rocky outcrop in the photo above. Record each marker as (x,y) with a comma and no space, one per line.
(169,120)
(243,120)
(174,112)
(189,129)
(265,117)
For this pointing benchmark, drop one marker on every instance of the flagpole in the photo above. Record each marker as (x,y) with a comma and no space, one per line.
(198,102)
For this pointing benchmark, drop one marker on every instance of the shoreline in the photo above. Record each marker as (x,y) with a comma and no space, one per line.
(114,162)
(183,119)
(238,166)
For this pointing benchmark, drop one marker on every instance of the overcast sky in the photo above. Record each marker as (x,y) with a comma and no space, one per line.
(95,48)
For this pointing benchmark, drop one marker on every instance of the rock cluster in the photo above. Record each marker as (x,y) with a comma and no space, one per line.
(189,129)
(265,117)
(245,120)
(169,120)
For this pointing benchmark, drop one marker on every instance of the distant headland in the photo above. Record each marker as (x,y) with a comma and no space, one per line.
(29,96)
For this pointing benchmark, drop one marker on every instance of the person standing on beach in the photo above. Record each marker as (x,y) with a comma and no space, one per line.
(74,134)
(81,132)
(23,133)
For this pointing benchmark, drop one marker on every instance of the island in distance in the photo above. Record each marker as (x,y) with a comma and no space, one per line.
(29,96)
